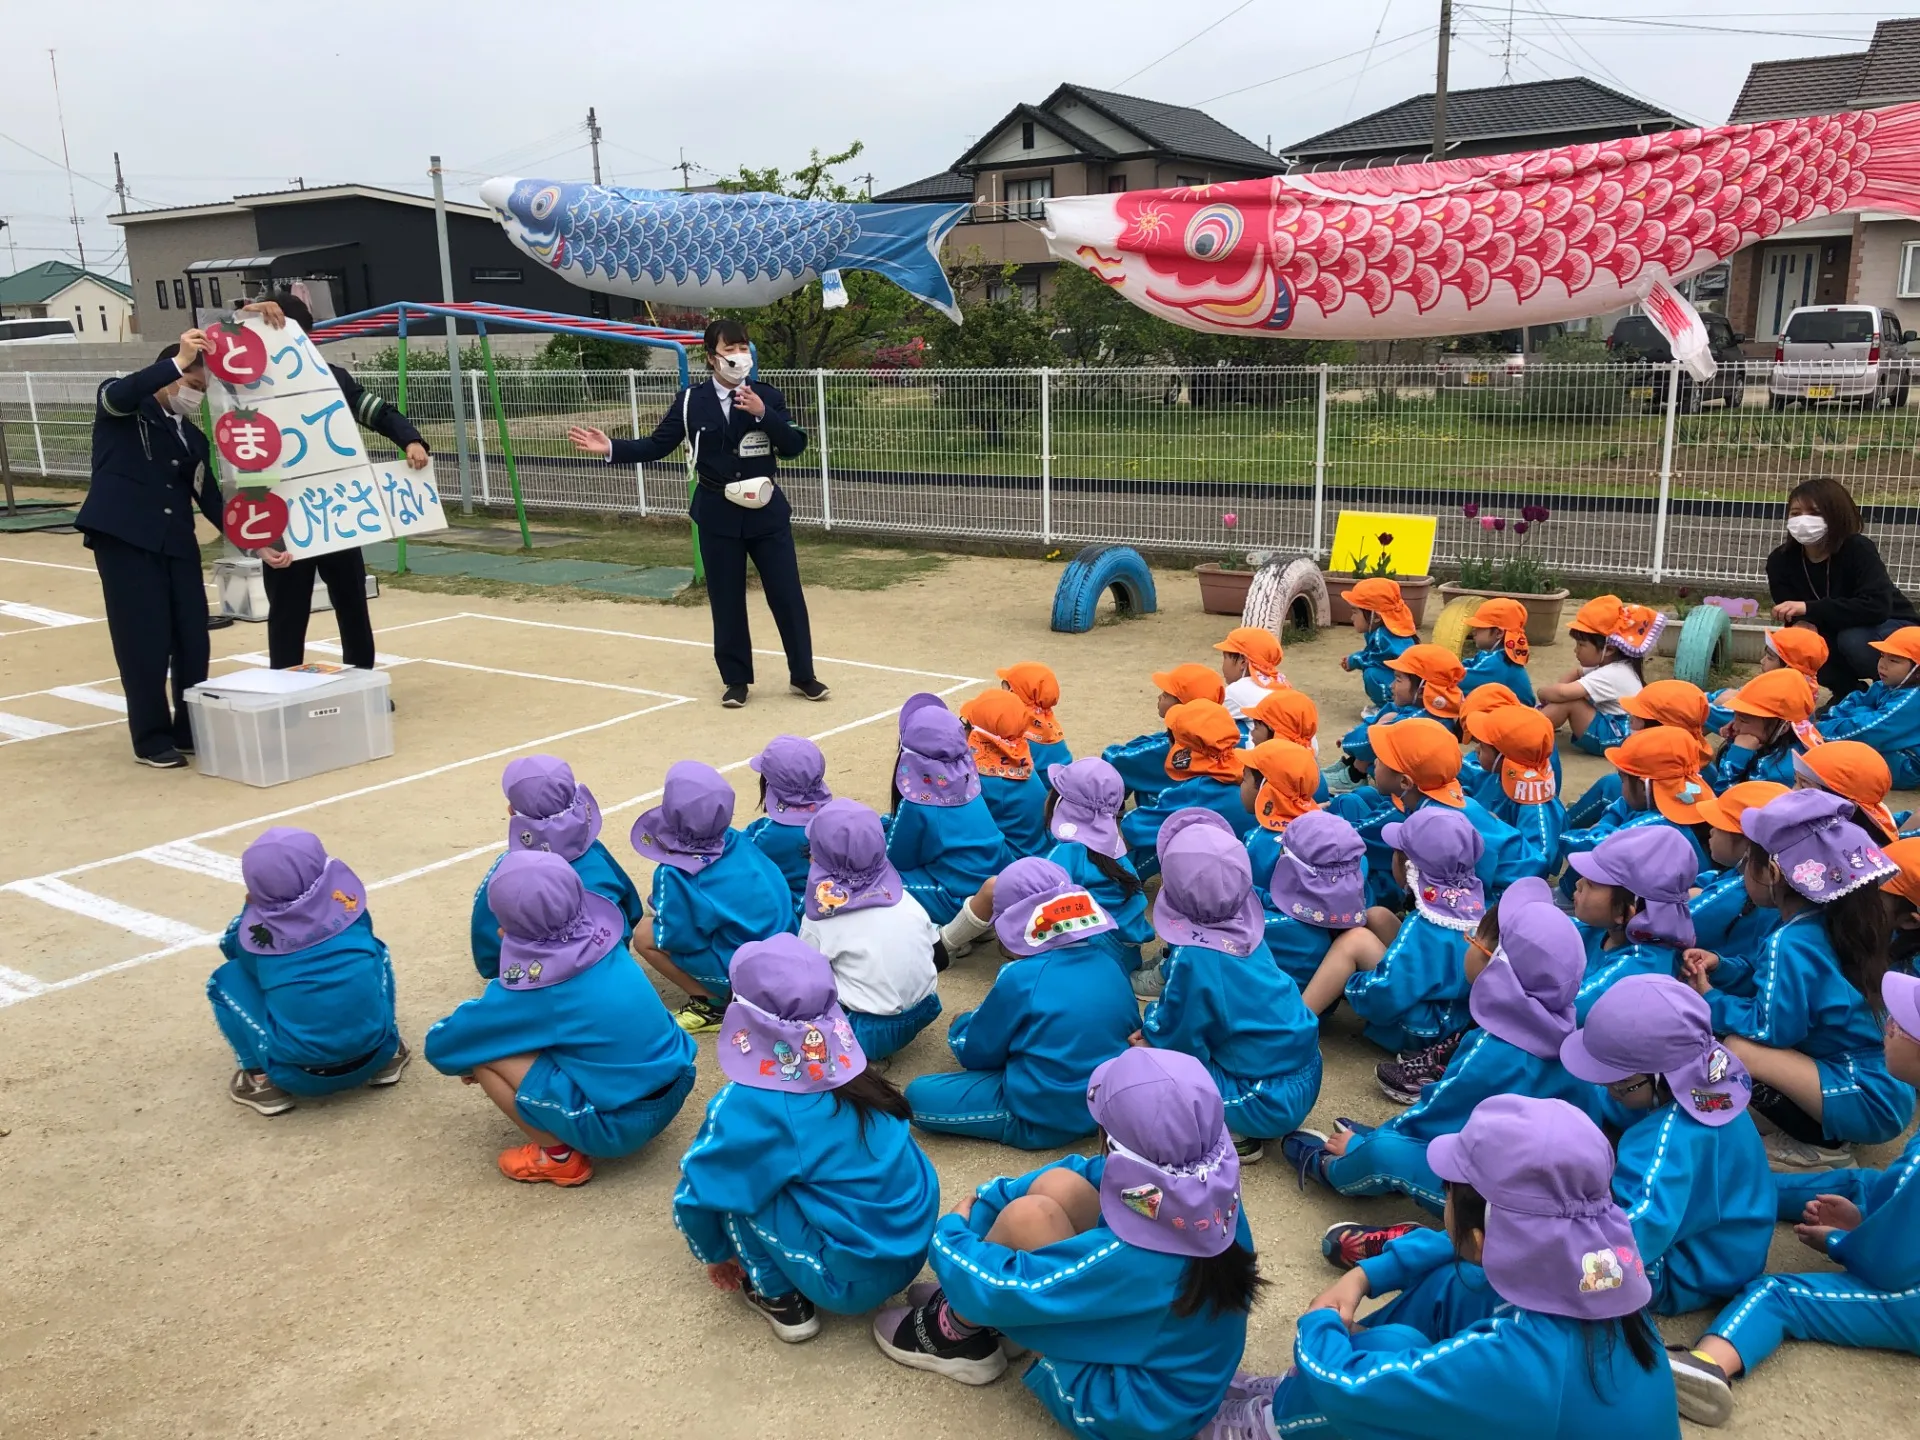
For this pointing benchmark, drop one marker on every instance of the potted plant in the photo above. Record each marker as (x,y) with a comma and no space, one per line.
(1517,574)
(1364,564)
(1224,583)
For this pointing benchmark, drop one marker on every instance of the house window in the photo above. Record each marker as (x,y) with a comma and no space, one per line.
(179,294)
(1024,197)
(495,275)
(1026,134)
(213,288)
(1116,184)
(198,298)
(160,289)
(103,319)
(1190,182)
(1910,270)
(79,320)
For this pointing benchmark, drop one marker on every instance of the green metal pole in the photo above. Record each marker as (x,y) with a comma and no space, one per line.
(506,445)
(400,399)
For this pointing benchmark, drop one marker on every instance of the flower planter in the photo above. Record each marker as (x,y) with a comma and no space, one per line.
(1223,592)
(1414,592)
(1543,611)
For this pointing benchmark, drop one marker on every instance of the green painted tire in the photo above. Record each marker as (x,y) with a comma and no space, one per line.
(1706,645)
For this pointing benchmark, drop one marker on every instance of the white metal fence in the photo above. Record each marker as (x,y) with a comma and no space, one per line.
(1644,474)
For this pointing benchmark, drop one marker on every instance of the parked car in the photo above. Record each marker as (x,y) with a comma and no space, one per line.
(1636,342)
(1842,355)
(1494,359)
(37,332)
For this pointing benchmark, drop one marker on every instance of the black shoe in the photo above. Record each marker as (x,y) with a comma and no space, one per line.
(810,689)
(168,759)
(219,622)
(734,697)
(792,1316)
(185,747)
(913,1336)
(1250,1150)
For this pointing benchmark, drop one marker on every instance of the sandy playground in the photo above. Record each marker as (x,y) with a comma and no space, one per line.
(174,1265)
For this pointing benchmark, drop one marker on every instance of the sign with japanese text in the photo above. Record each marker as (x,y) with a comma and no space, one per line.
(412,497)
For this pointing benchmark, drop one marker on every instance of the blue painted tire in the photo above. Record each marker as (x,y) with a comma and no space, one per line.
(1090,575)
(1706,644)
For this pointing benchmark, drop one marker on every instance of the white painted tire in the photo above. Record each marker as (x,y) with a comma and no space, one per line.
(1287,589)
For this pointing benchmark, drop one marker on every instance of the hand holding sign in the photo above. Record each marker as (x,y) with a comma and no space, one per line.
(254,519)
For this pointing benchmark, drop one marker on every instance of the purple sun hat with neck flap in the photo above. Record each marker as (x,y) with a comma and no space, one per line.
(1810,835)
(1181,821)
(1556,1242)
(1654,1025)
(796,776)
(551,811)
(784,1029)
(1087,812)
(1172,1178)
(1037,906)
(1321,875)
(936,765)
(1656,863)
(848,867)
(1525,995)
(297,895)
(1441,847)
(688,828)
(1206,894)
(552,926)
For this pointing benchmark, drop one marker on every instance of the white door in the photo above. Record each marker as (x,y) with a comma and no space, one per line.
(1786,283)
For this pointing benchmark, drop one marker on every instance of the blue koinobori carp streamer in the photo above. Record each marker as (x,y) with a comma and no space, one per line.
(720,249)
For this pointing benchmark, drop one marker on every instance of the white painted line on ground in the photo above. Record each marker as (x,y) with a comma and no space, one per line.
(64,730)
(46,564)
(89,695)
(15,986)
(40,615)
(560,680)
(62,896)
(196,860)
(20,727)
(380,658)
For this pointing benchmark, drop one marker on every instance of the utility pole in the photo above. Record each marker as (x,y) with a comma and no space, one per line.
(593,139)
(683,167)
(119,183)
(453,339)
(73,208)
(1440,83)
(868,179)
(6,224)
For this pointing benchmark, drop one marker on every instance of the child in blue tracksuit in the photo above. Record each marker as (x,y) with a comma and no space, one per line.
(1277,786)
(1016,796)
(1084,819)
(1725,919)
(1661,787)
(1865,1220)
(1886,715)
(1417,762)
(804,1189)
(1142,761)
(1128,1275)
(1036,686)
(713,890)
(548,810)
(1567,1352)
(1204,765)
(1797,1015)
(1797,647)
(943,840)
(1522,1000)
(1516,748)
(570,1041)
(1772,723)
(1630,897)
(1052,1016)
(793,788)
(1315,894)
(1500,650)
(1226,1003)
(1690,1171)
(1387,631)
(305,996)
(1673,703)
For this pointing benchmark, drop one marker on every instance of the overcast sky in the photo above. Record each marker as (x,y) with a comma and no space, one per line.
(201,109)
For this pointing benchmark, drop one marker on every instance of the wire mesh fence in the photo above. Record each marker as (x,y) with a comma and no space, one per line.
(1645,473)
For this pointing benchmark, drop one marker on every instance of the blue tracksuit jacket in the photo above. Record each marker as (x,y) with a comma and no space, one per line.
(1606,968)
(1370,661)
(1539,827)
(1736,763)
(786,846)
(1019,808)
(1488,667)
(1048,752)
(1140,826)
(1142,763)
(1129,912)
(599,872)
(1725,921)
(1417,994)
(701,919)
(1888,720)
(946,853)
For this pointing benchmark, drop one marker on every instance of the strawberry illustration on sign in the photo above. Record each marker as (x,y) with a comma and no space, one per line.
(236,354)
(247,440)
(254,518)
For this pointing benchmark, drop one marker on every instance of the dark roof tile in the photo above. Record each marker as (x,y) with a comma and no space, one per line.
(1812,85)
(1177,129)
(944,186)
(1536,108)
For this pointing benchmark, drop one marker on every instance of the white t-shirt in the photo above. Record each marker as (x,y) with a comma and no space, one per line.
(1607,685)
(882,957)
(1243,695)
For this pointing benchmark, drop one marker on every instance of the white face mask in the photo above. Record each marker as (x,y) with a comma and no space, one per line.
(733,367)
(1807,529)
(185,402)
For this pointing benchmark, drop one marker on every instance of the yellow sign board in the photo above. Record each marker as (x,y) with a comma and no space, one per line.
(1361,537)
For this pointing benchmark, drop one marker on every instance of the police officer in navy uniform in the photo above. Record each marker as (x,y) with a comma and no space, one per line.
(737,428)
(150,472)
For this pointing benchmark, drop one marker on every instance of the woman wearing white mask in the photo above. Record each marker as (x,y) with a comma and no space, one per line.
(1828,575)
(736,427)
(149,475)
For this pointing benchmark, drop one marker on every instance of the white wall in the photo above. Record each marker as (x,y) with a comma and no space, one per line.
(100,314)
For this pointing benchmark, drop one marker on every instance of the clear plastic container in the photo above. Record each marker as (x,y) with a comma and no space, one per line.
(269,739)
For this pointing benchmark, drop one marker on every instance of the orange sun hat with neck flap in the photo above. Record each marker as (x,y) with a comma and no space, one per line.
(1260,649)
(1289,777)
(1509,617)
(1798,647)
(1853,771)
(1631,629)
(1439,672)
(1903,643)
(997,734)
(1677,704)
(1723,811)
(1290,715)
(1669,761)
(1383,598)
(1425,752)
(1524,739)
(1482,698)
(1038,688)
(1779,695)
(1205,741)
(1191,682)
(1906,884)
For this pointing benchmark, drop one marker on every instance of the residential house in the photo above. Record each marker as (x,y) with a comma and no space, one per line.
(1078,141)
(1870,257)
(100,306)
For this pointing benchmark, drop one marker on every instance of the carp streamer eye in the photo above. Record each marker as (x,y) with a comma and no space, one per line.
(1213,232)
(543,202)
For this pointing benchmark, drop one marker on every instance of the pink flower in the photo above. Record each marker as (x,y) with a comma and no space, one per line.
(1229,519)
(1470,510)
(1486,522)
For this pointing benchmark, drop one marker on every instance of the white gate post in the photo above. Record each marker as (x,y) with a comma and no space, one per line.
(1666,472)
(1320,465)
(1046,457)
(820,406)
(633,414)
(33,414)
(480,438)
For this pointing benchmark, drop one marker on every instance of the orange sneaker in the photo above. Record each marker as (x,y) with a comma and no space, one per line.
(530,1163)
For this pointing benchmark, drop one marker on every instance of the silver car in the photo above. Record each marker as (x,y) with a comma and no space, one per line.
(1841,354)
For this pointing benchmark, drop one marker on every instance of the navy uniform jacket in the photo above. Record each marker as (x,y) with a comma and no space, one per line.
(696,418)
(149,468)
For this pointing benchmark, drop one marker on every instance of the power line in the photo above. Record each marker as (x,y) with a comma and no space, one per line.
(1186,42)
(1367,63)
(1554,16)
(1305,69)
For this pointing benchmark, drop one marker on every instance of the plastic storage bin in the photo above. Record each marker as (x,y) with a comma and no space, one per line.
(259,737)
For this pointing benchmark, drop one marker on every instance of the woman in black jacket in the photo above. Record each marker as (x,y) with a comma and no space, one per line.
(1828,575)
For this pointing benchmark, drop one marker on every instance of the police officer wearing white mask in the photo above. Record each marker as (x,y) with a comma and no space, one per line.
(736,428)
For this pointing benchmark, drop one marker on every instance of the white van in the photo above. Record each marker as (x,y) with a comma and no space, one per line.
(37,332)
(1841,354)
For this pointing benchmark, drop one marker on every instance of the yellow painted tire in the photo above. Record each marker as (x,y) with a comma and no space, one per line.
(1451,629)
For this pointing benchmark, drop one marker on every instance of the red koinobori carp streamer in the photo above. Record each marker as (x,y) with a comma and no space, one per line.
(1486,243)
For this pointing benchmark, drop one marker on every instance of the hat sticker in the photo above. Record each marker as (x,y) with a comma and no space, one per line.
(1717,1064)
(1601,1270)
(261,936)
(1709,1101)
(1064,915)
(526,839)
(1067,830)
(1181,759)
(830,895)
(1810,875)
(1143,1200)
(742,1041)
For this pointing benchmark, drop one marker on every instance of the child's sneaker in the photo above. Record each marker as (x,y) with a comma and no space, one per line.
(922,1291)
(1249,1418)
(388,1073)
(699,1016)
(792,1317)
(1788,1156)
(1306,1151)
(1245,1385)
(914,1336)
(1250,1150)
(1149,982)
(1340,779)
(1705,1396)
(1349,1242)
(530,1163)
(261,1094)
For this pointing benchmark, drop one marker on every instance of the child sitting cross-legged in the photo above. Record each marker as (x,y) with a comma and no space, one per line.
(1010,783)
(1316,895)
(1772,724)
(1516,747)
(1611,640)
(1798,647)
(1277,788)
(1886,715)
(943,838)
(1725,918)
(793,788)
(1083,816)
(1630,897)
(1675,704)
(1142,761)
(1250,660)
(1426,681)
(1204,766)
(1500,650)
(1387,629)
